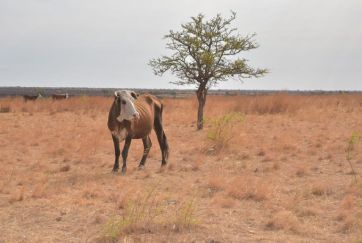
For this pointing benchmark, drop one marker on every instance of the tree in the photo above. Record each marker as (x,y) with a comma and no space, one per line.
(205,52)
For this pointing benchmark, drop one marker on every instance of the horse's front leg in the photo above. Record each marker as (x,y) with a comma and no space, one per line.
(127,144)
(116,153)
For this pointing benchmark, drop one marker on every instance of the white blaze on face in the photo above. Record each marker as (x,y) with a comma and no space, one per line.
(127,108)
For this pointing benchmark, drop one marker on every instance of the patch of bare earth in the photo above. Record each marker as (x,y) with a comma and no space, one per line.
(282,176)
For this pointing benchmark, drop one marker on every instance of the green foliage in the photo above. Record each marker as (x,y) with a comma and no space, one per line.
(205,52)
(202,52)
(352,141)
(221,129)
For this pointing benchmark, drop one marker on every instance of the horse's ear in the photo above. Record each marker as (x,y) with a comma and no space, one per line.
(116,95)
(134,95)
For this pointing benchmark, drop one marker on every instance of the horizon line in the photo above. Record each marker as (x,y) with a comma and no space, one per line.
(186,89)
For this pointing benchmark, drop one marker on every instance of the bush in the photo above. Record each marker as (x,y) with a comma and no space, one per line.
(352,141)
(139,215)
(146,213)
(5,109)
(185,216)
(221,130)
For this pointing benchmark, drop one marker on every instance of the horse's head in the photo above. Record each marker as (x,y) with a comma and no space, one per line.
(124,102)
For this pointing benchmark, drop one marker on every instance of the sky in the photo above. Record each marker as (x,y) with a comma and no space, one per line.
(305,44)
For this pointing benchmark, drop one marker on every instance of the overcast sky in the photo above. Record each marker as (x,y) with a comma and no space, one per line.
(306,44)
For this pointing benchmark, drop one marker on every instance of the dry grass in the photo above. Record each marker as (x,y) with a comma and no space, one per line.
(249,188)
(301,170)
(224,202)
(282,176)
(284,220)
(17,195)
(321,188)
(5,109)
(348,213)
(145,213)
(39,191)
(216,183)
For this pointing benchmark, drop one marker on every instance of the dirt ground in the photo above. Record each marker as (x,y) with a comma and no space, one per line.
(269,168)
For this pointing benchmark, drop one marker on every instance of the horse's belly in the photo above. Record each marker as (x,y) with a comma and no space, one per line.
(141,130)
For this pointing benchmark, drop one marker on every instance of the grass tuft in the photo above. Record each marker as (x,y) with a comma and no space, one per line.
(248,189)
(221,130)
(5,109)
(185,216)
(284,220)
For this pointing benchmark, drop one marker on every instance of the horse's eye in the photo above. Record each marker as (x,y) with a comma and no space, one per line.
(123,102)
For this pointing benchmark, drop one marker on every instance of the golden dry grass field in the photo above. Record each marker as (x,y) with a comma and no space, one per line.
(265,168)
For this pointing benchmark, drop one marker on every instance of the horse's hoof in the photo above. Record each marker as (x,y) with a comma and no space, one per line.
(114,171)
(141,167)
(123,172)
(162,169)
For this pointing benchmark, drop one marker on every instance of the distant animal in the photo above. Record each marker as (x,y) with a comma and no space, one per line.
(60,96)
(134,116)
(31,97)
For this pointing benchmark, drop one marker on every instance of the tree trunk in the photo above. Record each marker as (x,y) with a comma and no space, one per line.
(201,97)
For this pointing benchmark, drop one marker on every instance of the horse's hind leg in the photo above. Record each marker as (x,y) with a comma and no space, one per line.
(147,144)
(161,137)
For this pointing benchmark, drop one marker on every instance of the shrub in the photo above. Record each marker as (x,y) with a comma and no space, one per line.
(352,141)
(185,216)
(145,214)
(5,109)
(139,214)
(221,130)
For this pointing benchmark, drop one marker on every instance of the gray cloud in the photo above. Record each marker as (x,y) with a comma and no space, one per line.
(305,44)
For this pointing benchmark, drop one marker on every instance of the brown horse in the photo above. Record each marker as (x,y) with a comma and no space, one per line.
(31,97)
(60,96)
(133,117)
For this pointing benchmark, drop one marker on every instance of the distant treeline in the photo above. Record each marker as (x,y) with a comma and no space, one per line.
(171,93)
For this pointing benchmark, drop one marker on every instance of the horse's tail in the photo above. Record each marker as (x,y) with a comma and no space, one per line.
(161,136)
